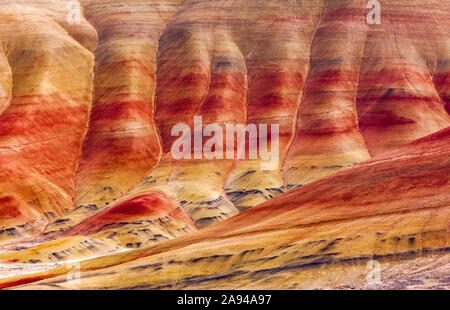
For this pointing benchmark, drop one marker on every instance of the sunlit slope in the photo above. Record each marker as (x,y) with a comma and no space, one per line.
(393,208)
(74,143)
(45,98)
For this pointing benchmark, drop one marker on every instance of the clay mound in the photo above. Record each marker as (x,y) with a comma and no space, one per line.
(122,143)
(340,89)
(45,97)
(137,222)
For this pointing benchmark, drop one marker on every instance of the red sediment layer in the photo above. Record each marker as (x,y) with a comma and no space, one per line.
(412,177)
(43,123)
(144,207)
(378,182)
(338,87)
(328,137)
(24,281)
(397,100)
(122,143)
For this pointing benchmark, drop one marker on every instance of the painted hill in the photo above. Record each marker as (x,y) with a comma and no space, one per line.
(89,94)
(320,235)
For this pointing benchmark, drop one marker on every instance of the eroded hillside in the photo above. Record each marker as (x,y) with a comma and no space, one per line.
(87,108)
